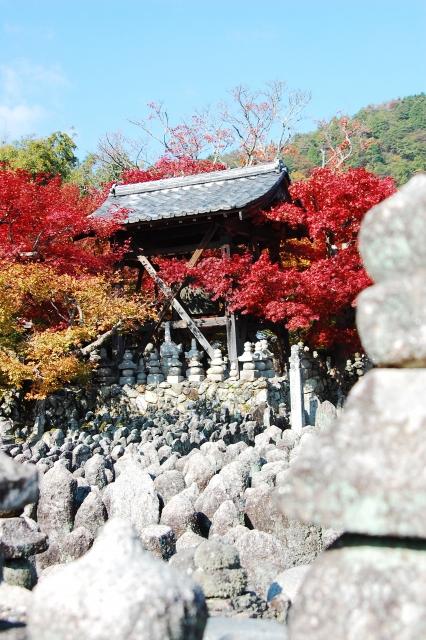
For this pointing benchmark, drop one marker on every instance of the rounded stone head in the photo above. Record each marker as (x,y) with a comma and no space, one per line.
(391,239)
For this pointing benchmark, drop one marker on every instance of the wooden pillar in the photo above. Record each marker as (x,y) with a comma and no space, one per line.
(242,333)
(118,347)
(283,341)
(231,327)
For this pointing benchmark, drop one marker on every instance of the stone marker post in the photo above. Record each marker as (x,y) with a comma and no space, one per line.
(365,473)
(297,418)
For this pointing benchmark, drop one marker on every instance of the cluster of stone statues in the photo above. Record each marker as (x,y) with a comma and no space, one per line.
(257,364)
(166,365)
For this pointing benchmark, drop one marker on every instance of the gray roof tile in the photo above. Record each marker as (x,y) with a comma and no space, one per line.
(192,195)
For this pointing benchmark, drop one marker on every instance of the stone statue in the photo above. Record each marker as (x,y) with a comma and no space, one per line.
(169,352)
(217,367)
(127,369)
(249,371)
(195,372)
(155,376)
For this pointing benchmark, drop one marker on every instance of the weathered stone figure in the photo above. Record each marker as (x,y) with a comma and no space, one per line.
(366,472)
(155,376)
(127,368)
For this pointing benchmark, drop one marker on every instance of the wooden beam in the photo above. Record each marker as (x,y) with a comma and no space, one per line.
(200,322)
(173,251)
(204,323)
(177,288)
(176,305)
(204,242)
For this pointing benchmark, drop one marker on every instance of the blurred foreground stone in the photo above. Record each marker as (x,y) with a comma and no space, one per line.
(117,590)
(367,472)
(20,538)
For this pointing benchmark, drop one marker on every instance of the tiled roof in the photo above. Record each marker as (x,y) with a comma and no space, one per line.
(193,195)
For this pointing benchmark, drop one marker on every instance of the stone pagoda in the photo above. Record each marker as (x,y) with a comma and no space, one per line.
(195,371)
(171,365)
(249,372)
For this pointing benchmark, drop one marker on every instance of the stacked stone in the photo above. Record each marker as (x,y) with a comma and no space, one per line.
(193,350)
(365,475)
(195,371)
(223,580)
(233,371)
(263,359)
(20,536)
(174,375)
(140,372)
(127,369)
(155,376)
(249,371)
(20,539)
(269,362)
(104,373)
(217,367)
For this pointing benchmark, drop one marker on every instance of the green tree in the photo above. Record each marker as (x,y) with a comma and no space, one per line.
(91,173)
(51,155)
(395,136)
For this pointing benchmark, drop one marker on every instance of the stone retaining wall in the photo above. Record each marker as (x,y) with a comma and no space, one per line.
(98,407)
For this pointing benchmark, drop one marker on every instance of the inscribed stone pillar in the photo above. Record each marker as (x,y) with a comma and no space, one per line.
(296,391)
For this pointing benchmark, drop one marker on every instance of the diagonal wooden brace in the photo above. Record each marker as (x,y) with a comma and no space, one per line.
(176,305)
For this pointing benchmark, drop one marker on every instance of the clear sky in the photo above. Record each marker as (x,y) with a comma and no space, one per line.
(92,63)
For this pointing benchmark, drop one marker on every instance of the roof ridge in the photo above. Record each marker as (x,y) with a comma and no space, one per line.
(201,178)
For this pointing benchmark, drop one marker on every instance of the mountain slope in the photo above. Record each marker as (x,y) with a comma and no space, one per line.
(395,136)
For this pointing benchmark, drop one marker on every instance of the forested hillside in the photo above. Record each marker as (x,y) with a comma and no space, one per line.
(393,141)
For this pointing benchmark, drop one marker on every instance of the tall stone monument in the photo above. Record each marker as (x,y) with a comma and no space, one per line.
(365,473)
(297,414)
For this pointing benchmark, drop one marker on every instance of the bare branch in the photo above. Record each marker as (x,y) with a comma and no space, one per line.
(84,351)
(57,310)
(115,152)
(341,136)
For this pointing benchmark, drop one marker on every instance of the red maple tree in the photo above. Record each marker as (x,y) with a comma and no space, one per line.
(40,219)
(313,286)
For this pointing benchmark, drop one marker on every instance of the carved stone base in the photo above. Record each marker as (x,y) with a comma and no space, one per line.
(174,379)
(249,375)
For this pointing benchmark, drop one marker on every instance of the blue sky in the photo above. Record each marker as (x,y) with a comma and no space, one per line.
(92,63)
